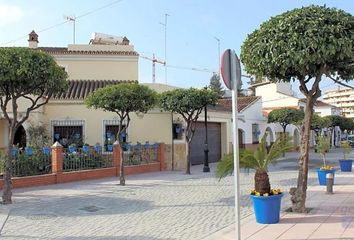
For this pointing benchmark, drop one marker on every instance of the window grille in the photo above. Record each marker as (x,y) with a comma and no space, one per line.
(111,128)
(68,132)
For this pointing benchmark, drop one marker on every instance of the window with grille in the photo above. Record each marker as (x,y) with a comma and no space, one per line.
(177,131)
(67,132)
(111,128)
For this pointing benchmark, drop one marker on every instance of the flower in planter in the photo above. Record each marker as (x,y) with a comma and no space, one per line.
(272,192)
(327,167)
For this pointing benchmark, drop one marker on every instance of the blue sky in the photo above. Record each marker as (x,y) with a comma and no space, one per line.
(191,29)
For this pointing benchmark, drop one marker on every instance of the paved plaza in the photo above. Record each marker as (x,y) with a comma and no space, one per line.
(163,205)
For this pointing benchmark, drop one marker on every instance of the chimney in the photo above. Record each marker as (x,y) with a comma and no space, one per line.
(33,39)
(125,41)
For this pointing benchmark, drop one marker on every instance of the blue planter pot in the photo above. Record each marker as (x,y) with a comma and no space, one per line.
(28,151)
(98,148)
(72,149)
(46,150)
(85,149)
(267,209)
(14,152)
(322,176)
(109,148)
(346,165)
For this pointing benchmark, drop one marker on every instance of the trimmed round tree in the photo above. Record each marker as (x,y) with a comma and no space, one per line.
(28,79)
(189,103)
(304,45)
(285,116)
(123,99)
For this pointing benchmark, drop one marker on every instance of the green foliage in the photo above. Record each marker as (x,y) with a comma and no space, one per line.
(187,102)
(258,160)
(318,123)
(26,72)
(23,165)
(342,122)
(216,86)
(285,116)
(323,147)
(299,43)
(346,148)
(39,136)
(346,124)
(333,120)
(123,98)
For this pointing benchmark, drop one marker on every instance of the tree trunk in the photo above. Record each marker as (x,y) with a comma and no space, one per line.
(121,169)
(188,169)
(261,181)
(284,132)
(299,194)
(7,191)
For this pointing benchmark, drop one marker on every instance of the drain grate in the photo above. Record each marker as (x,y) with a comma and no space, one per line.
(91,208)
(41,216)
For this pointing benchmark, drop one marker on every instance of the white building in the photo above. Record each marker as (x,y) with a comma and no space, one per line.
(280,95)
(342,98)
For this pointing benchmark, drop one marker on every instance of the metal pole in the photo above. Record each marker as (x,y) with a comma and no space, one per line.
(235,149)
(165,25)
(218,39)
(206,167)
(153,69)
(74,20)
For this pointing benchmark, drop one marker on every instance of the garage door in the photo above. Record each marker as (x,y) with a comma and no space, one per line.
(214,143)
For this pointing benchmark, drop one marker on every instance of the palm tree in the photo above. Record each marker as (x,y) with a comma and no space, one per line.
(258,160)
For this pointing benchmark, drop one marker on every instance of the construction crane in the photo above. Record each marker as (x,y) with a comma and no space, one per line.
(154,61)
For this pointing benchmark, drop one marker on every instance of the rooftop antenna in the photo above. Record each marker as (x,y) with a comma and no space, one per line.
(165,25)
(72,19)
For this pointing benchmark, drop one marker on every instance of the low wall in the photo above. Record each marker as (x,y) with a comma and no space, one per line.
(58,176)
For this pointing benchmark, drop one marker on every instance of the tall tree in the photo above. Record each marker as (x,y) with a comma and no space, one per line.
(123,99)
(189,103)
(28,78)
(303,45)
(216,86)
(285,116)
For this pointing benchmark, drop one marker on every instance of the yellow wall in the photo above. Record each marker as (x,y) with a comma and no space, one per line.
(153,127)
(4,131)
(100,67)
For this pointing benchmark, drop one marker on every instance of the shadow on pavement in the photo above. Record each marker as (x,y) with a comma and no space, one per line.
(84,205)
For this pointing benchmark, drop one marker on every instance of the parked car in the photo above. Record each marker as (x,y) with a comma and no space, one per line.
(350,140)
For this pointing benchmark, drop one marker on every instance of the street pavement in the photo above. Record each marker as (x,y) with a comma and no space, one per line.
(154,206)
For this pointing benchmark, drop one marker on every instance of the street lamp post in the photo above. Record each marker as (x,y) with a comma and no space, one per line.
(206,167)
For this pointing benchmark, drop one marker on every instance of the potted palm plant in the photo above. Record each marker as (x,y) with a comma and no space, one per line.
(266,201)
(323,147)
(345,164)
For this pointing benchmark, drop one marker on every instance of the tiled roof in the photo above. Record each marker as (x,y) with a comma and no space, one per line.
(242,102)
(65,51)
(322,104)
(79,89)
(318,103)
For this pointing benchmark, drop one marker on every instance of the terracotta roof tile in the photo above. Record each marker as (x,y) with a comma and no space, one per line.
(242,102)
(318,103)
(79,89)
(65,51)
